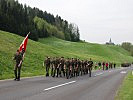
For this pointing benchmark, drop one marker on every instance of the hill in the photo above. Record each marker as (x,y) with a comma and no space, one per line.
(86,50)
(37,51)
(19,19)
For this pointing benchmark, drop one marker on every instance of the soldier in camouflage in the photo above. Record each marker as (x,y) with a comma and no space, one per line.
(17,68)
(90,64)
(47,64)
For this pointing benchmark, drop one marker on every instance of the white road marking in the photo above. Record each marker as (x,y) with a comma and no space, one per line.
(123,72)
(59,85)
(98,74)
(110,71)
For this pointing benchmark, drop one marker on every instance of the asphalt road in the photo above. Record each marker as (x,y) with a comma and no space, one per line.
(101,86)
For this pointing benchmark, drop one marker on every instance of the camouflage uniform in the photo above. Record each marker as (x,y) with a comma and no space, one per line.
(85,67)
(90,64)
(56,67)
(67,68)
(72,67)
(79,67)
(17,68)
(82,67)
(62,61)
(47,64)
(75,67)
(52,66)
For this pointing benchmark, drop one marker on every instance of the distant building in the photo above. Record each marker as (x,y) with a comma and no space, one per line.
(110,42)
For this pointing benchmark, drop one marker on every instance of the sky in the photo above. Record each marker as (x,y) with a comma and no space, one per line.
(98,20)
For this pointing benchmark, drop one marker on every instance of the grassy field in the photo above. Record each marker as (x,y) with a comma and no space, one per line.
(126,90)
(37,51)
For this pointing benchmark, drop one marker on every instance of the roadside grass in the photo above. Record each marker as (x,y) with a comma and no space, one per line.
(126,90)
(37,51)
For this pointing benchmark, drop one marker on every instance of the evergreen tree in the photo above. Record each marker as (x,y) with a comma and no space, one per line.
(20,19)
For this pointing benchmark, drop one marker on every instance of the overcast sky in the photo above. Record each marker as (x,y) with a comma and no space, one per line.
(98,20)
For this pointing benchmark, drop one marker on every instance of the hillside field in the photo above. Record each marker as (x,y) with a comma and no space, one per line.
(37,51)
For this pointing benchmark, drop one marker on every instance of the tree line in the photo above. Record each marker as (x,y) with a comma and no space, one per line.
(128,46)
(20,19)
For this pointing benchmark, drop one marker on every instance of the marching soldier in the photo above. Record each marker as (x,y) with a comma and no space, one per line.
(90,64)
(79,67)
(67,67)
(52,66)
(56,67)
(72,67)
(62,61)
(75,67)
(82,67)
(85,68)
(47,64)
(17,68)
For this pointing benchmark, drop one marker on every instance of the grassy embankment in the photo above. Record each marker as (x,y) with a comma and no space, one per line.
(37,51)
(126,90)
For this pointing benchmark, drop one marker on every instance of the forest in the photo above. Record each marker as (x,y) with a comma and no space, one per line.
(21,19)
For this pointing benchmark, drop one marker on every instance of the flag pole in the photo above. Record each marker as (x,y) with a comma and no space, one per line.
(28,33)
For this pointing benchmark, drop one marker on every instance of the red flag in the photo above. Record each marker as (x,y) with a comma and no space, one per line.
(24,43)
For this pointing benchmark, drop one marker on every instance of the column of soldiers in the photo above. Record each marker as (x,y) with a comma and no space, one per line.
(70,67)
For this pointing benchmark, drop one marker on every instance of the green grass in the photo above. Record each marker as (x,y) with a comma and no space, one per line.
(37,51)
(126,90)
(86,50)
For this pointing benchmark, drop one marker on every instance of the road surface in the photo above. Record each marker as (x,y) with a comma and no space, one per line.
(101,86)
